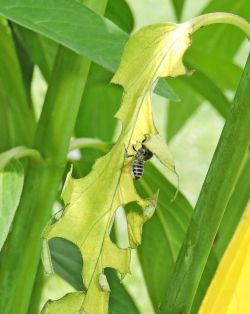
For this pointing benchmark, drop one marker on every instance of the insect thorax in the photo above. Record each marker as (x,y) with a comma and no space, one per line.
(144,154)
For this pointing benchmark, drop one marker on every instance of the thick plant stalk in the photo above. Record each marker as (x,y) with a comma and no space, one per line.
(37,290)
(221,17)
(213,199)
(20,256)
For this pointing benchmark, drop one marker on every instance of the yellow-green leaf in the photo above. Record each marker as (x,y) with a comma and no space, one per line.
(91,202)
(70,303)
(136,220)
(157,145)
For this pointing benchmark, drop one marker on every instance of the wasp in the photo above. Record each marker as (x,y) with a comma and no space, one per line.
(141,155)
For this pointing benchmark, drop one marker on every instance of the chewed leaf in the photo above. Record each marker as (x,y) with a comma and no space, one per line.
(160,149)
(136,220)
(154,51)
(91,202)
(70,303)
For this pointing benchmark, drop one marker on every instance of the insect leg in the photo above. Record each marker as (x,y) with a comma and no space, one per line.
(133,146)
(126,153)
(145,137)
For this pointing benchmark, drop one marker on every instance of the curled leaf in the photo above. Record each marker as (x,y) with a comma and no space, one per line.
(157,145)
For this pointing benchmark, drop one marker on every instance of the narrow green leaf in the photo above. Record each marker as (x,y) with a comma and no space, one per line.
(40,49)
(205,87)
(224,73)
(119,13)
(231,218)
(67,261)
(64,21)
(223,40)
(99,104)
(72,25)
(214,48)
(221,70)
(211,53)
(11,185)
(120,301)
(212,202)
(165,90)
(179,113)
(16,120)
(96,112)
(163,234)
(35,300)
(233,213)
(178,7)
(25,62)
(193,90)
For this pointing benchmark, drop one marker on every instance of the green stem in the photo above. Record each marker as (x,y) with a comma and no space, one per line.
(37,290)
(213,199)
(20,256)
(221,17)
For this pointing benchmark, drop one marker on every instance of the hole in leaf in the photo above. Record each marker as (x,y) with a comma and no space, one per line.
(119,231)
(133,206)
(67,261)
